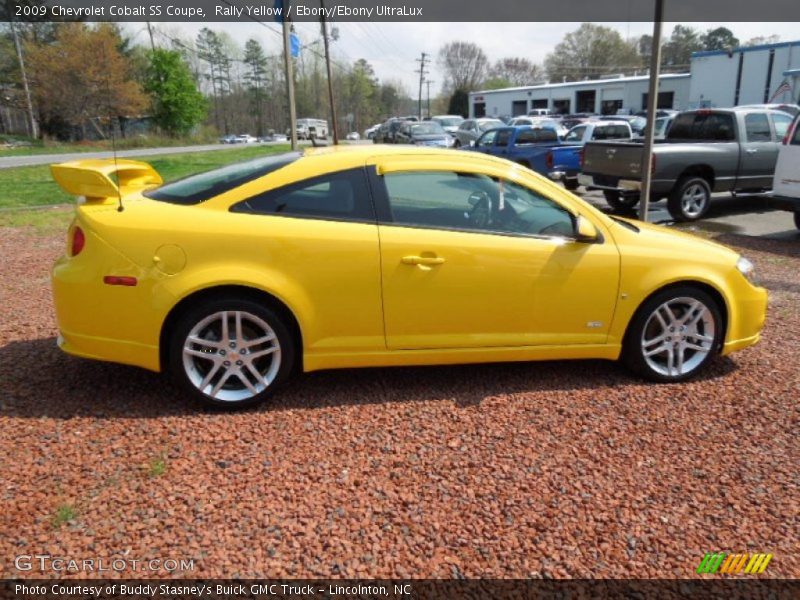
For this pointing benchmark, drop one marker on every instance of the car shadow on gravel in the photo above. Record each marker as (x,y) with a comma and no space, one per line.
(789,248)
(39,381)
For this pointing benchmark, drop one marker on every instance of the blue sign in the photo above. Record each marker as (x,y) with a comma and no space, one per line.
(294,45)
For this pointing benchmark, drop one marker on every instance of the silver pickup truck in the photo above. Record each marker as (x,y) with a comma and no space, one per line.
(705,151)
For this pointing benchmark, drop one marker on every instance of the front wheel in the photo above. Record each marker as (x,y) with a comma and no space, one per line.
(620,202)
(231,353)
(690,199)
(571,184)
(673,335)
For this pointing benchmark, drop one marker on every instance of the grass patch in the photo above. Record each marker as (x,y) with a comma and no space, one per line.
(34,186)
(22,146)
(157,466)
(46,220)
(64,514)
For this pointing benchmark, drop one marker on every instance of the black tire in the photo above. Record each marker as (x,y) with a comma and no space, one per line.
(619,201)
(690,199)
(190,373)
(571,184)
(457,143)
(797,220)
(645,322)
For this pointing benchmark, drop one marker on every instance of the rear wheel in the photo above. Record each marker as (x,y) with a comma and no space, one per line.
(231,353)
(571,184)
(457,143)
(619,201)
(673,335)
(690,199)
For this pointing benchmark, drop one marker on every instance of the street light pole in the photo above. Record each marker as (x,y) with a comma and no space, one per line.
(652,107)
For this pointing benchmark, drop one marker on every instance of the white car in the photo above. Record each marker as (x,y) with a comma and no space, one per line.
(353,136)
(598,130)
(545,122)
(786,181)
(449,123)
(245,138)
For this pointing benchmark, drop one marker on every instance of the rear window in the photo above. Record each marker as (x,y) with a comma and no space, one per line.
(611,132)
(532,136)
(703,126)
(204,186)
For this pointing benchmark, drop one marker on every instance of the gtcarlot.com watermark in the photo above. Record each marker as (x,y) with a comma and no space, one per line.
(60,564)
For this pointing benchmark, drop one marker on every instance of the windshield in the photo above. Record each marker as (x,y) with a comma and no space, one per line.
(449,121)
(427,128)
(203,186)
(487,125)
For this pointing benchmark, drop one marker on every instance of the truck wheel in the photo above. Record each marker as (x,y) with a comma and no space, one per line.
(571,184)
(619,202)
(690,199)
(797,220)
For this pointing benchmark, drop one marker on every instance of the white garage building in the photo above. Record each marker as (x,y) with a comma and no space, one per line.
(746,76)
(603,96)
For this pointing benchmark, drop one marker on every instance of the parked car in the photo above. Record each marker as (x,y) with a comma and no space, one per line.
(387,131)
(539,112)
(637,123)
(228,139)
(352,136)
(308,129)
(245,138)
(786,183)
(370,132)
(370,257)
(552,123)
(425,133)
(563,163)
(471,129)
(449,123)
(705,151)
(792,109)
(662,127)
(279,137)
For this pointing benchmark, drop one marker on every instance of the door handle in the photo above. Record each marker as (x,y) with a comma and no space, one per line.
(424,262)
(751,150)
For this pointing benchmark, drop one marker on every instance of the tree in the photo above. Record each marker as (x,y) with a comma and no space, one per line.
(178,105)
(464,65)
(720,38)
(763,39)
(514,71)
(255,79)
(677,51)
(590,52)
(459,103)
(81,77)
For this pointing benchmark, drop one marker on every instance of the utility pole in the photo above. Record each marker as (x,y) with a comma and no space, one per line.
(32,128)
(652,106)
(330,72)
(422,72)
(428,84)
(287,63)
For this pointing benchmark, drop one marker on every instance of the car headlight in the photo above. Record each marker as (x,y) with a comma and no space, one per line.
(746,268)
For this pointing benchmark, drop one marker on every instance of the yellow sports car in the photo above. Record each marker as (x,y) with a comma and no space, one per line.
(236,279)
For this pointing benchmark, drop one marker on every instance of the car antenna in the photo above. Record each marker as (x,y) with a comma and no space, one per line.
(120,207)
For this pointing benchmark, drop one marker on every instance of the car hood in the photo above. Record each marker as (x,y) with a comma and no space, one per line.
(692,246)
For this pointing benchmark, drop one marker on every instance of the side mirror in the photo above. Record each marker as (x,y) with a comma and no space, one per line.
(585,231)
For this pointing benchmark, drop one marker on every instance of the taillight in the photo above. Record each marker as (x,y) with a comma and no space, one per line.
(548,160)
(580,157)
(78,241)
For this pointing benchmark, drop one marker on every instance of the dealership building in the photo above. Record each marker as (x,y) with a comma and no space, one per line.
(751,75)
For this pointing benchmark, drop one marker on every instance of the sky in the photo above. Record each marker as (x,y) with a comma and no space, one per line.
(392,48)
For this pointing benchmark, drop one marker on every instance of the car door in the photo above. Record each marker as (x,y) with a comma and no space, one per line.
(456,275)
(759,153)
(787,170)
(485,143)
(464,132)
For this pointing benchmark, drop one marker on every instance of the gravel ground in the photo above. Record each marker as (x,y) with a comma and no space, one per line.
(516,470)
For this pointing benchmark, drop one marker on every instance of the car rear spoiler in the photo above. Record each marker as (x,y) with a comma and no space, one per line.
(102,179)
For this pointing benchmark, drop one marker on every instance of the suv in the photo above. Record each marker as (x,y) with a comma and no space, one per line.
(786,182)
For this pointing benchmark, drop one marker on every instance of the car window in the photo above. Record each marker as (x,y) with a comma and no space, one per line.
(203,186)
(610,132)
(473,202)
(703,126)
(487,139)
(781,123)
(502,138)
(756,127)
(575,134)
(532,136)
(343,195)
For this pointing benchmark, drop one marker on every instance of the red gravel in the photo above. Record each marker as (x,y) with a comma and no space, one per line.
(517,470)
